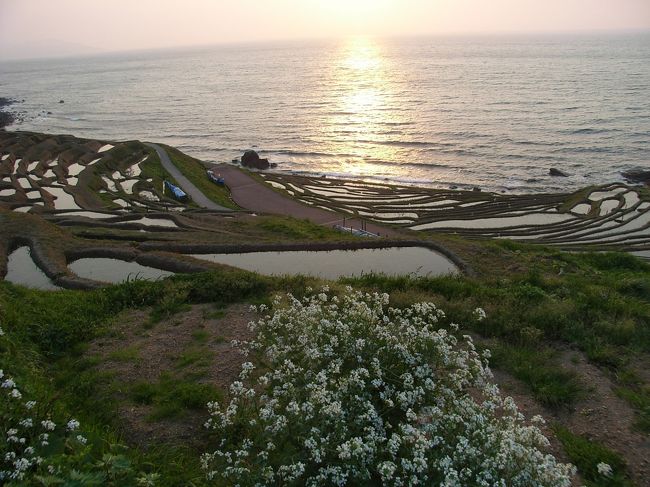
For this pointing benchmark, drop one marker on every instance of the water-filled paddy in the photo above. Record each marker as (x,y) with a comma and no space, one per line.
(333,264)
(501,222)
(22,270)
(114,270)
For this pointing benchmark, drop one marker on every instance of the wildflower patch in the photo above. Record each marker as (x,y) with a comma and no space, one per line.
(358,393)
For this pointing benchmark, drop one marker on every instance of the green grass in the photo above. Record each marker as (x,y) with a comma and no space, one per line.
(171,397)
(152,169)
(586,454)
(215,314)
(196,356)
(297,229)
(598,305)
(550,384)
(193,170)
(638,396)
(201,336)
(128,354)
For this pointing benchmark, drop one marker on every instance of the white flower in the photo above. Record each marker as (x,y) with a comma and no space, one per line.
(371,392)
(72,425)
(48,425)
(81,439)
(15,393)
(479,313)
(604,469)
(30,404)
(1,331)
(8,383)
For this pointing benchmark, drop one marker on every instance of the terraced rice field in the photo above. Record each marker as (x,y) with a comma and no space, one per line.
(70,177)
(613,216)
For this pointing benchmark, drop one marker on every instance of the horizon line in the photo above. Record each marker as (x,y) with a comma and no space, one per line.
(98,52)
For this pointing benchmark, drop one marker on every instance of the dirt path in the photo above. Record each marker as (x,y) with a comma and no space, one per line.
(255,196)
(195,193)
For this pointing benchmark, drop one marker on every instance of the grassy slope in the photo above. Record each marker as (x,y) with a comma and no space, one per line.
(537,300)
(195,172)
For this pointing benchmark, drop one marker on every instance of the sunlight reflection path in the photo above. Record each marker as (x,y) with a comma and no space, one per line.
(363,108)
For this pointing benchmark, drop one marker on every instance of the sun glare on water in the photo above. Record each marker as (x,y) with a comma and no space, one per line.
(362,99)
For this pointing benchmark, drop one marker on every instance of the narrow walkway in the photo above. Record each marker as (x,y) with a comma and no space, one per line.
(195,193)
(259,197)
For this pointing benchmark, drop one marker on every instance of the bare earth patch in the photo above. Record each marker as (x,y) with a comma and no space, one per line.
(194,345)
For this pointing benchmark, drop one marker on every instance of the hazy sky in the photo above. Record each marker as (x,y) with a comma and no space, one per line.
(31,28)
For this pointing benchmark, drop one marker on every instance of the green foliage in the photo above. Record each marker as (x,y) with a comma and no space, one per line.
(128,354)
(194,356)
(587,454)
(171,397)
(293,228)
(194,170)
(42,445)
(550,384)
(639,397)
(201,336)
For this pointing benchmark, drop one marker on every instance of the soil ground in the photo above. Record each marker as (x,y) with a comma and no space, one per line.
(139,352)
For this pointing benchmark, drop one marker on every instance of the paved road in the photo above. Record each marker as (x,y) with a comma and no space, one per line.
(259,197)
(195,193)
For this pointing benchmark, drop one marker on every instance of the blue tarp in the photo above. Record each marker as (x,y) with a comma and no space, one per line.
(216,179)
(177,192)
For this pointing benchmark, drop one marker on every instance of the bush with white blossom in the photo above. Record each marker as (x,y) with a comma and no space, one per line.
(356,393)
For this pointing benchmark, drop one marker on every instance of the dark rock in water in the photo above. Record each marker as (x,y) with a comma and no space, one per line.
(6,118)
(49,113)
(556,172)
(453,186)
(637,176)
(476,188)
(253,160)
(273,165)
(236,161)
(61,101)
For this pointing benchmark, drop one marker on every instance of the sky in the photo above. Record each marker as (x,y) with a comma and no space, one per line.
(44,28)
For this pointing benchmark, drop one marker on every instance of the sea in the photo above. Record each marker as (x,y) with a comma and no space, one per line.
(493,112)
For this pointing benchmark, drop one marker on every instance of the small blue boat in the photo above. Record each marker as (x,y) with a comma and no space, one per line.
(217,179)
(176,192)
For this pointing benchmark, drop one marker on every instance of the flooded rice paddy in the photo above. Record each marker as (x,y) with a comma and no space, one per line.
(22,270)
(332,264)
(114,270)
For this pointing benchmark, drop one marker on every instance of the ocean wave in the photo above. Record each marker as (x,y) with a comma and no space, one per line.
(589,131)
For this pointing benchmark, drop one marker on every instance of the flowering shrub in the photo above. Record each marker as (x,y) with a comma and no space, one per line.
(357,393)
(36,450)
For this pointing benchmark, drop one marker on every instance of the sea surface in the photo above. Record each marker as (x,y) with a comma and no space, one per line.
(492,112)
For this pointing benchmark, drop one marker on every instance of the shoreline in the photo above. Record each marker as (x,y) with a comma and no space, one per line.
(612,217)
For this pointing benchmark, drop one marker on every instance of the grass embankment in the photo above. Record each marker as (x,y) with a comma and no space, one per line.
(50,332)
(195,171)
(595,304)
